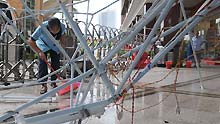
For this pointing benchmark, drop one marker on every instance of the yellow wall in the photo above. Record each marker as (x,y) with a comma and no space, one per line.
(17,4)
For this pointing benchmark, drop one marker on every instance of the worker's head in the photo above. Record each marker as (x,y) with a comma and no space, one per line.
(197,33)
(54,25)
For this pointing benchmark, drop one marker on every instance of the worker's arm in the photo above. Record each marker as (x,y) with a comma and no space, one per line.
(36,49)
(33,45)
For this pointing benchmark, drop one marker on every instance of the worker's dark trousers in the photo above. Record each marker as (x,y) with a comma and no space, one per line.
(55,63)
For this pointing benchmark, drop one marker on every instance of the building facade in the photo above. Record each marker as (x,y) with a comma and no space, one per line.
(133,10)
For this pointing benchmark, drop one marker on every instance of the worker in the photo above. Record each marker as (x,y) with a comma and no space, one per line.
(45,47)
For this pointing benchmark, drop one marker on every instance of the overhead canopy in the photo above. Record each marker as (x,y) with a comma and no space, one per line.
(137,5)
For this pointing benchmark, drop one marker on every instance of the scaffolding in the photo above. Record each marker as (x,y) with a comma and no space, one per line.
(80,110)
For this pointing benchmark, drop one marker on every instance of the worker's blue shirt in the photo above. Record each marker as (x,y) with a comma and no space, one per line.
(43,41)
(196,43)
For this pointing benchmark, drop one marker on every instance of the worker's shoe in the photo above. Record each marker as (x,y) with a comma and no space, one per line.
(53,85)
(43,89)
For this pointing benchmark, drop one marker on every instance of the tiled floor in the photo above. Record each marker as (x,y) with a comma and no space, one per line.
(158,106)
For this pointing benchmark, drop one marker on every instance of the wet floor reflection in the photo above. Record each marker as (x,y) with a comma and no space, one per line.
(196,106)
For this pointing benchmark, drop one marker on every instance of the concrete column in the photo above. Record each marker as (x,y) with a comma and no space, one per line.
(38,7)
(138,17)
(148,27)
(172,19)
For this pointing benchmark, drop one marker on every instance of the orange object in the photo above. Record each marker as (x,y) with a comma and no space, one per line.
(169,64)
(188,64)
(143,60)
(67,89)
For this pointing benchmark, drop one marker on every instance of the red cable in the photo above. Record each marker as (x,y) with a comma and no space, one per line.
(51,68)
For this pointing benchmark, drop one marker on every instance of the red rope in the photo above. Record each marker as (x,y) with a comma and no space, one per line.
(51,68)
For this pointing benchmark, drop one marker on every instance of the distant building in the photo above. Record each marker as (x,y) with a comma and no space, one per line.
(108,18)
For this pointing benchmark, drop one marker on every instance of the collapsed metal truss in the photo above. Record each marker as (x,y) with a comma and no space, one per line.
(81,110)
(28,70)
